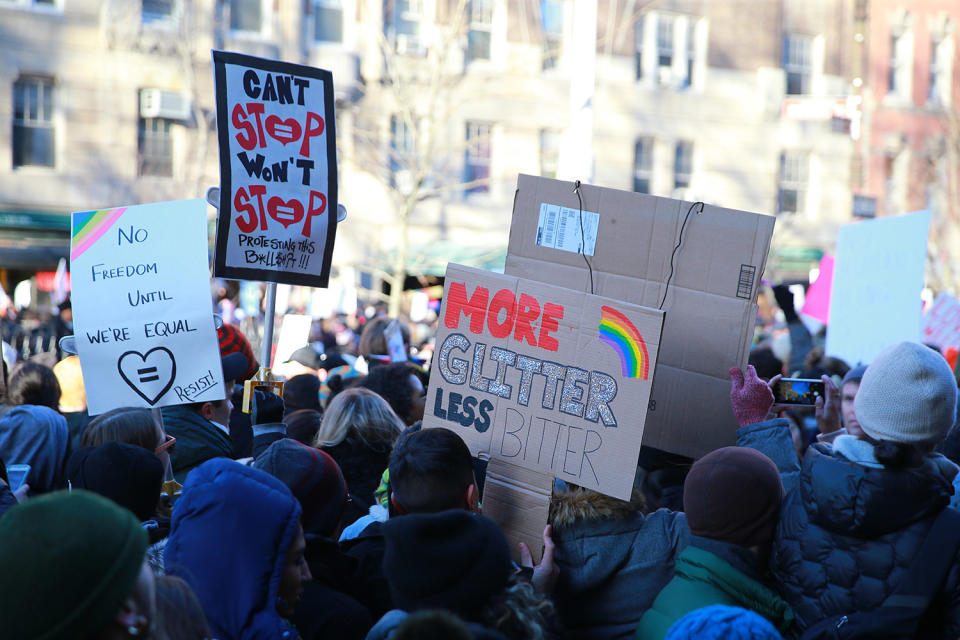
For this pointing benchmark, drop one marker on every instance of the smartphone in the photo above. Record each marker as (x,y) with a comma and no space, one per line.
(16,475)
(798,391)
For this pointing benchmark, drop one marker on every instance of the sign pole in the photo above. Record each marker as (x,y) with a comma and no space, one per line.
(270,312)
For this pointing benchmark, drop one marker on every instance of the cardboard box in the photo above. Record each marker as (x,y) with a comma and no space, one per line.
(543,377)
(629,240)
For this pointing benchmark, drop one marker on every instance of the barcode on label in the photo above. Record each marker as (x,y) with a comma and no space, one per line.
(745,284)
(549,229)
(567,229)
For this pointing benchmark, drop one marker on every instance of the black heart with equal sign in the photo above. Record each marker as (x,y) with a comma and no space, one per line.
(150,374)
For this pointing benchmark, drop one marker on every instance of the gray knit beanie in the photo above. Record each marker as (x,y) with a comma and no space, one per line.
(908,394)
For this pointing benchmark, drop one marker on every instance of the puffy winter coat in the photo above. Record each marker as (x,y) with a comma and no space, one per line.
(613,561)
(848,533)
(229,537)
(709,572)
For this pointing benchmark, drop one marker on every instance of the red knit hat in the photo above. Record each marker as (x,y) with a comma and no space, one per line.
(233,341)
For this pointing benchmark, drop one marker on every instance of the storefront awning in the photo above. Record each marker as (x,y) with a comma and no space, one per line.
(431,259)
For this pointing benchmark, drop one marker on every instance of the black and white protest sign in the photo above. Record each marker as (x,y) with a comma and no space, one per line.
(142,313)
(278,170)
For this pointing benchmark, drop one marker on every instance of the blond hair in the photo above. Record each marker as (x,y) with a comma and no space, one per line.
(359,413)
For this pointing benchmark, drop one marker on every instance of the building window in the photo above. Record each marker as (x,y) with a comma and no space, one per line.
(797,64)
(156,10)
(402,147)
(404,24)
(246,15)
(328,20)
(682,164)
(643,165)
(666,48)
(33,135)
(791,195)
(665,41)
(941,70)
(477,161)
(551,21)
(155,146)
(481,27)
(549,153)
(899,76)
(638,44)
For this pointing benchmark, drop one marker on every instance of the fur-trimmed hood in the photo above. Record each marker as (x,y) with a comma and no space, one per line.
(576,504)
(613,560)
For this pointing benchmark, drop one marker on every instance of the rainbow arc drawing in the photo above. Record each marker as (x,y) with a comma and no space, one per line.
(617,331)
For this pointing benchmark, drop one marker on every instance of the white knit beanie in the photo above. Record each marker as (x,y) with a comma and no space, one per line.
(908,394)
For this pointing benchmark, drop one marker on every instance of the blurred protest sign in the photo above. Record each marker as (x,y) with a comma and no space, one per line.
(278,170)
(877,281)
(545,378)
(141,306)
(941,324)
(294,333)
(701,264)
(817,301)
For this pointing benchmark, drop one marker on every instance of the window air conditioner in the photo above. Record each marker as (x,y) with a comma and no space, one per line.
(156,103)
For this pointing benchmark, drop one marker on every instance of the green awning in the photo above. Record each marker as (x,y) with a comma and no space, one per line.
(431,259)
(35,220)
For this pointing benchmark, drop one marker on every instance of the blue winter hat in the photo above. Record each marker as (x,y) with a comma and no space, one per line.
(720,622)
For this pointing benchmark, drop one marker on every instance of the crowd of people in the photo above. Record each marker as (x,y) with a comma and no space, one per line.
(327,511)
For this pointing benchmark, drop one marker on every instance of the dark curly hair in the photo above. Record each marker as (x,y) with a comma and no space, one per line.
(392,383)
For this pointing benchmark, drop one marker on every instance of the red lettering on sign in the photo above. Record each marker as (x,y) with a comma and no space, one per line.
(502,299)
(518,319)
(475,307)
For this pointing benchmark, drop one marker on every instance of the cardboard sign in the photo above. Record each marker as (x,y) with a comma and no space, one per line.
(941,324)
(817,301)
(877,283)
(278,171)
(518,500)
(710,303)
(543,377)
(141,306)
(294,333)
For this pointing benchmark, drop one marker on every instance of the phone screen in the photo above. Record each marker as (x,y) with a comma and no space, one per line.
(797,391)
(16,475)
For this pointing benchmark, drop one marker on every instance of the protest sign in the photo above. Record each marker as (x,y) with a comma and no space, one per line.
(278,170)
(700,264)
(877,281)
(941,324)
(294,333)
(546,378)
(142,314)
(817,301)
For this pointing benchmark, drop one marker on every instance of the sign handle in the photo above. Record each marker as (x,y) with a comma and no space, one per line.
(269,313)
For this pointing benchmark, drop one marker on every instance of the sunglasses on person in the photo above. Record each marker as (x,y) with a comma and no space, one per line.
(168,442)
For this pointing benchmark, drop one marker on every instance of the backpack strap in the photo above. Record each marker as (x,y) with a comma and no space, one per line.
(930,566)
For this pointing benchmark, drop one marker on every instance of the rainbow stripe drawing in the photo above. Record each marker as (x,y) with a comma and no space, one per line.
(618,332)
(89,226)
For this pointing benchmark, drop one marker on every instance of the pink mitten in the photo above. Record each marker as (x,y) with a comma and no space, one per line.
(750,396)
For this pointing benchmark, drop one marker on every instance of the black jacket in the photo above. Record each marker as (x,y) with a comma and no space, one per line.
(328,609)
(848,533)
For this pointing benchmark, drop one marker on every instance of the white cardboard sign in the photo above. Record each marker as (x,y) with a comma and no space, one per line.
(141,306)
(877,282)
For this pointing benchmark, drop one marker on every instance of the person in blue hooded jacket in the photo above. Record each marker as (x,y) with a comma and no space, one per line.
(236,538)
